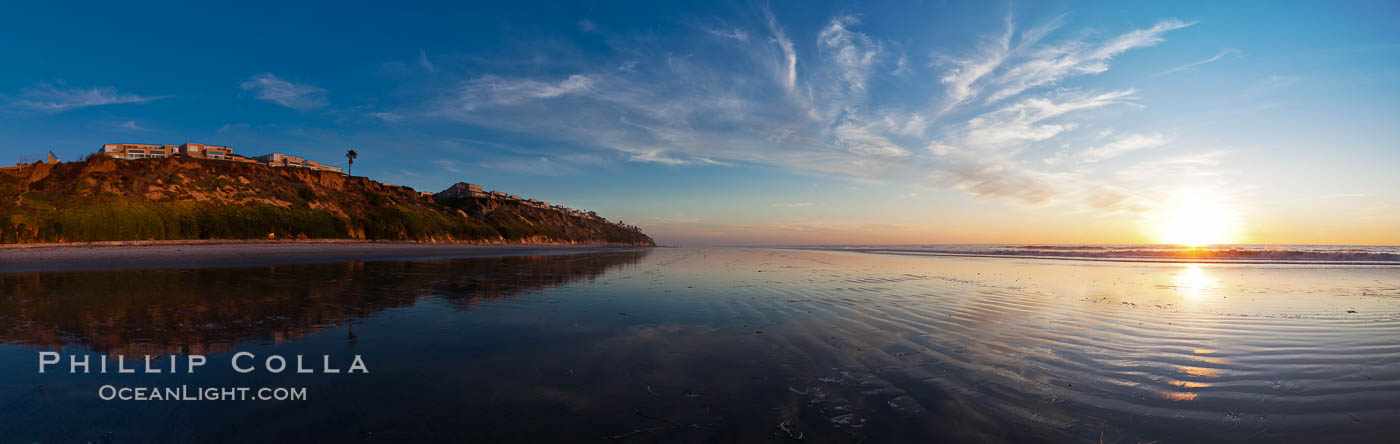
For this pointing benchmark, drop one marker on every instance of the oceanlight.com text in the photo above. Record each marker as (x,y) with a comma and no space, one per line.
(186,393)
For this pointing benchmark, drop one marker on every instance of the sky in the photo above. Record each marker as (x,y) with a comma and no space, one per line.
(719,123)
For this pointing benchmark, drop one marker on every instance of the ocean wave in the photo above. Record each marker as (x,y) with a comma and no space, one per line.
(1280,254)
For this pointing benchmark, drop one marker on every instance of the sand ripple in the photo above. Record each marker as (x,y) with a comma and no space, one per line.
(1126,351)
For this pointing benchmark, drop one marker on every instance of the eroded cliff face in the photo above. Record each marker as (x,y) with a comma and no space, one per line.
(105,199)
(518,220)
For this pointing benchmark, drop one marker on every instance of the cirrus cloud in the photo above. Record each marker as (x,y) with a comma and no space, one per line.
(269,87)
(47,97)
(814,108)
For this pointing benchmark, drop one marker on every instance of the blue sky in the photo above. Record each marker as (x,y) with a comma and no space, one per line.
(782,122)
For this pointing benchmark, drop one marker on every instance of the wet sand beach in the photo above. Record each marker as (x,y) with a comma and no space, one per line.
(723,345)
(193,254)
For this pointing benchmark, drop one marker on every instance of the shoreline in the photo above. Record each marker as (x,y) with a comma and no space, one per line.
(1130,259)
(127,255)
(139,243)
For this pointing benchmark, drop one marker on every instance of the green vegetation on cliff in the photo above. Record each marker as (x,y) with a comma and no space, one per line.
(105,199)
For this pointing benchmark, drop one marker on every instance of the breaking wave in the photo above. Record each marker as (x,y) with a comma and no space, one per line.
(1264,254)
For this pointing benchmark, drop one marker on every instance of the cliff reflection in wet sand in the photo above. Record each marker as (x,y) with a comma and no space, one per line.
(197,311)
(727,345)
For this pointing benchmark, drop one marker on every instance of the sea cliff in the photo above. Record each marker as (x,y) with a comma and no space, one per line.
(106,199)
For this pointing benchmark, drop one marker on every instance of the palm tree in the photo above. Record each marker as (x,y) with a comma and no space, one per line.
(351,154)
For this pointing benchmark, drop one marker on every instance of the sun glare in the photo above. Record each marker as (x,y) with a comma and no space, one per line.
(1197,223)
(1191,281)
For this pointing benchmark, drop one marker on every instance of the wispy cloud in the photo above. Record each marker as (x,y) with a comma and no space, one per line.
(787,64)
(1126,143)
(853,53)
(1223,53)
(966,79)
(423,61)
(542,166)
(661,157)
(866,140)
(666,106)
(500,91)
(1178,163)
(386,116)
(230,127)
(1121,145)
(794,205)
(1044,66)
(967,71)
(981,155)
(452,166)
(47,97)
(901,66)
(535,165)
(129,125)
(733,33)
(269,87)
(1032,119)
(656,156)
(1000,180)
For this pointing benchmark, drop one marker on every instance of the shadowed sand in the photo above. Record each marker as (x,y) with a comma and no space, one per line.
(237,254)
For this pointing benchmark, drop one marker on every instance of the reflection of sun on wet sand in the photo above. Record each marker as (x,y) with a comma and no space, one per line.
(1199,371)
(1179,396)
(1189,384)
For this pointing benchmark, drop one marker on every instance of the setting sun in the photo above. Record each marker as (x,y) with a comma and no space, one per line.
(1196,224)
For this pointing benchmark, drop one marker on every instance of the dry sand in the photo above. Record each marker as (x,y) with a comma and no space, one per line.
(236,254)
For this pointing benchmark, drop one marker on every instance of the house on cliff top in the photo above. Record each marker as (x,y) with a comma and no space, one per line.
(134,151)
(462,190)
